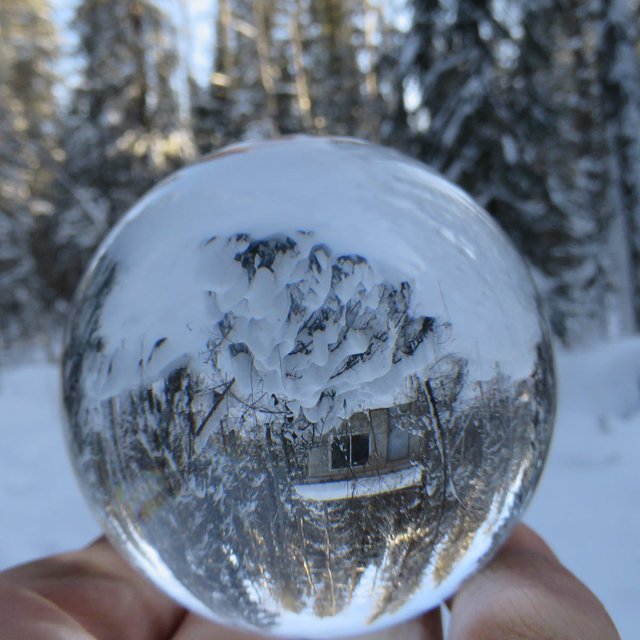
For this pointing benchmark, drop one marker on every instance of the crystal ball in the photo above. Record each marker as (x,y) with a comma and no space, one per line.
(308,386)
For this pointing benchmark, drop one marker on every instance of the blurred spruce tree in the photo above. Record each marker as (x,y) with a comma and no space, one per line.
(126,128)
(532,106)
(520,109)
(29,130)
(285,66)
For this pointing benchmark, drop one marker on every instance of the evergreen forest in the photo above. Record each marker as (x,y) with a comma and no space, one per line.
(532,106)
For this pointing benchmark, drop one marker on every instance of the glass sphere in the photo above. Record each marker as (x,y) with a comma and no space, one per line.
(308,387)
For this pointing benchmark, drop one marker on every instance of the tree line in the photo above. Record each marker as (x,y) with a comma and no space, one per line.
(532,106)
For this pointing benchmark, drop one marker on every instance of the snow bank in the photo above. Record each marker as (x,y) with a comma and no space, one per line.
(588,504)
(41,509)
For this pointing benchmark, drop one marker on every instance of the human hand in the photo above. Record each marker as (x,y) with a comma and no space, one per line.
(524,593)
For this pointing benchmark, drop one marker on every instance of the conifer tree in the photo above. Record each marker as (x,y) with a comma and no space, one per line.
(126,126)
(335,85)
(550,207)
(213,118)
(322,66)
(452,59)
(521,114)
(251,90)
(619,82)
(28,153)
(591,168)
(125,130)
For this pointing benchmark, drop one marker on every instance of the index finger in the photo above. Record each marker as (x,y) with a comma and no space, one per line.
(92,593)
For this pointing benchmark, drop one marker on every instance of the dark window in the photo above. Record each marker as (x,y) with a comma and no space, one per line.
(340,453)
(359,449)
(350,451)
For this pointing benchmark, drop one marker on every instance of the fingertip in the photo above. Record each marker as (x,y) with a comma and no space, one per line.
(426,627)
(525,539)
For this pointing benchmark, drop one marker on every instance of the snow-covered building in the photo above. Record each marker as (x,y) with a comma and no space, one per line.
(368,454)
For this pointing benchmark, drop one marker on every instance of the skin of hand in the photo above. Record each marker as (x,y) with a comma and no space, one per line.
(92,594)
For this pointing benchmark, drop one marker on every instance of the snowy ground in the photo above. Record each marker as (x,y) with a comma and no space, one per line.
(587,507)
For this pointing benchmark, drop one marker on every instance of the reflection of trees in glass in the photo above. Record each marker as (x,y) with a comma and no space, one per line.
(219,468)
(239,528)
(333,329)
(85,345)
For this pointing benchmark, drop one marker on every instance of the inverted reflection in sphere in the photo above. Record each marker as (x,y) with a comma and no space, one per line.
(308,386)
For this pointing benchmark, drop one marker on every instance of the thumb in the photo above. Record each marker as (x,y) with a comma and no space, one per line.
(526,593)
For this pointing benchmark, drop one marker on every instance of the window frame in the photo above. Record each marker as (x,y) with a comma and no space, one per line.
(346,452)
